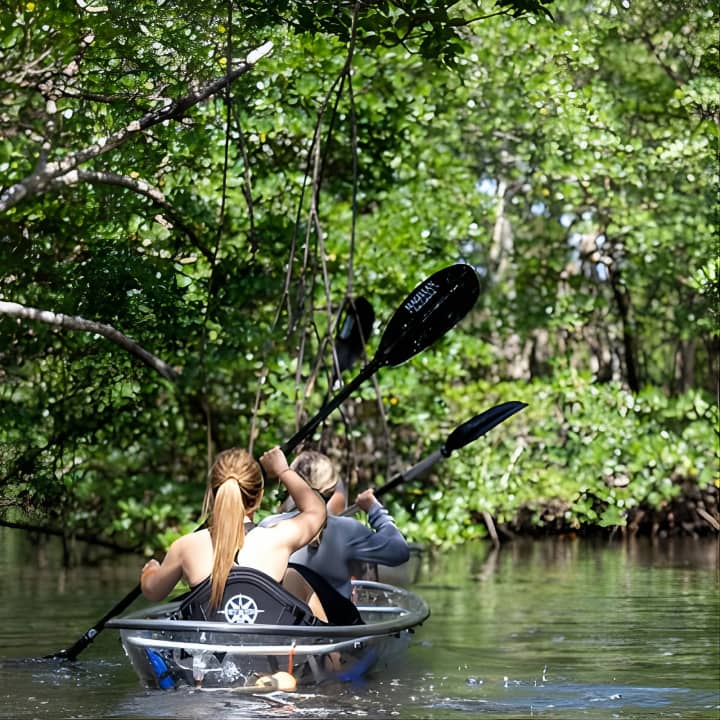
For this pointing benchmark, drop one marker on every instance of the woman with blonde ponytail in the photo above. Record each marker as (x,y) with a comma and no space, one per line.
(234,492)
(235,489)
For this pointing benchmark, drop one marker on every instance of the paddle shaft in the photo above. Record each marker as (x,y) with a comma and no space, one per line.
(463,435)
(307,429)
(415,471)
(74,650)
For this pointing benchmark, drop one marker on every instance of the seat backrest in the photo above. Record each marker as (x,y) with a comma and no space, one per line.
(250,597)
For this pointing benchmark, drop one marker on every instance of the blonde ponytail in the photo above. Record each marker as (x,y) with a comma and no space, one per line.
(228,536)
(235,487)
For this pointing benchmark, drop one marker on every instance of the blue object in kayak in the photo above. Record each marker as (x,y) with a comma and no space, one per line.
(162,673)
(357,671)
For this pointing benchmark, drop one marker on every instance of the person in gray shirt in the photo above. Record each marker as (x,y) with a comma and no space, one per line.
(344,541)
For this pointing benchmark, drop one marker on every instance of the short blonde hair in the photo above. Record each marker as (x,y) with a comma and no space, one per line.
(317,470)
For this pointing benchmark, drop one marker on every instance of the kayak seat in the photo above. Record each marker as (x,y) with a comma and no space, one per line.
(250,597)
(339,609)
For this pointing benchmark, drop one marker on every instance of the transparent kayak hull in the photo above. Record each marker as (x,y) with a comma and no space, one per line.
(168,653)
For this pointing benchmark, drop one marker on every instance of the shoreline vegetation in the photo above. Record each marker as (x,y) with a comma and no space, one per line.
(693,514)
(192,203)
(582,459)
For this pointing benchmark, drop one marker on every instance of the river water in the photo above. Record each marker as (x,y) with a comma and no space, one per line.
(539,629)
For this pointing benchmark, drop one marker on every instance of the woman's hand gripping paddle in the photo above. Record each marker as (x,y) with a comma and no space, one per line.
(433,308)
(461,436)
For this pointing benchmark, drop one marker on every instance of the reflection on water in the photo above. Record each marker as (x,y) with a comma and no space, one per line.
(553,629)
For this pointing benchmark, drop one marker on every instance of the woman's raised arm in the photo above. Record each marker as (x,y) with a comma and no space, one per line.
(303,527)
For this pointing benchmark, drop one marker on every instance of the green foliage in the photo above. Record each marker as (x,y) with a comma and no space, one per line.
(572,162)
(580,455)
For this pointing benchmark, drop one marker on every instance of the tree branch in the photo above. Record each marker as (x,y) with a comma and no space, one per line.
(52,172)
(141,187)
(77,323)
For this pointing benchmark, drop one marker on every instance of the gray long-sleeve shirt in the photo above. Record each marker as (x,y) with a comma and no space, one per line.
(345,540)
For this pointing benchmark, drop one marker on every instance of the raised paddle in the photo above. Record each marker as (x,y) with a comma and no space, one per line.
(430,311)
(461,436)
(353,333)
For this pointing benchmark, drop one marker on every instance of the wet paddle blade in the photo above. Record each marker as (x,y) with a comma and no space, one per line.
(353,332)
(460,437)
(430,311)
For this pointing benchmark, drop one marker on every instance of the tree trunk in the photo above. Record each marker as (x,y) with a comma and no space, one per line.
(622,300)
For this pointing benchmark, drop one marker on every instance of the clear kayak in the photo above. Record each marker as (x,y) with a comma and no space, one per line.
(168,653)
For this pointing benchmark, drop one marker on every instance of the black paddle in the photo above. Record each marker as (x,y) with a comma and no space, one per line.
(353,332)
(431,310)
(461,436)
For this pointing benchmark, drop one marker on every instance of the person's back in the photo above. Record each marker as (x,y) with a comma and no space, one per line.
(345,540)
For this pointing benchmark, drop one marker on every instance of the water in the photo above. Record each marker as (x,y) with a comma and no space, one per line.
(545,629)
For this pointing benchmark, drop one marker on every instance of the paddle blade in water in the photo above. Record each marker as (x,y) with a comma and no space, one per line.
(432,308)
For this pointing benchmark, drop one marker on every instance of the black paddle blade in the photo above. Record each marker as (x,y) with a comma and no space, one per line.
(432,308)
(74,650)
(353,332)
(480,424)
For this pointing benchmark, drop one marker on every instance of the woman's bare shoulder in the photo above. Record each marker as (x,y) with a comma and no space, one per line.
(192,540)
(265,537)
(260,531)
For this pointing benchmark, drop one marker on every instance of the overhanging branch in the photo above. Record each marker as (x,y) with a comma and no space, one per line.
(74,322)
(141,187)
(48,173)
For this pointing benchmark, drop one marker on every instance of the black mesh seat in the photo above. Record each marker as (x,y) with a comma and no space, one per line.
(250,597)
